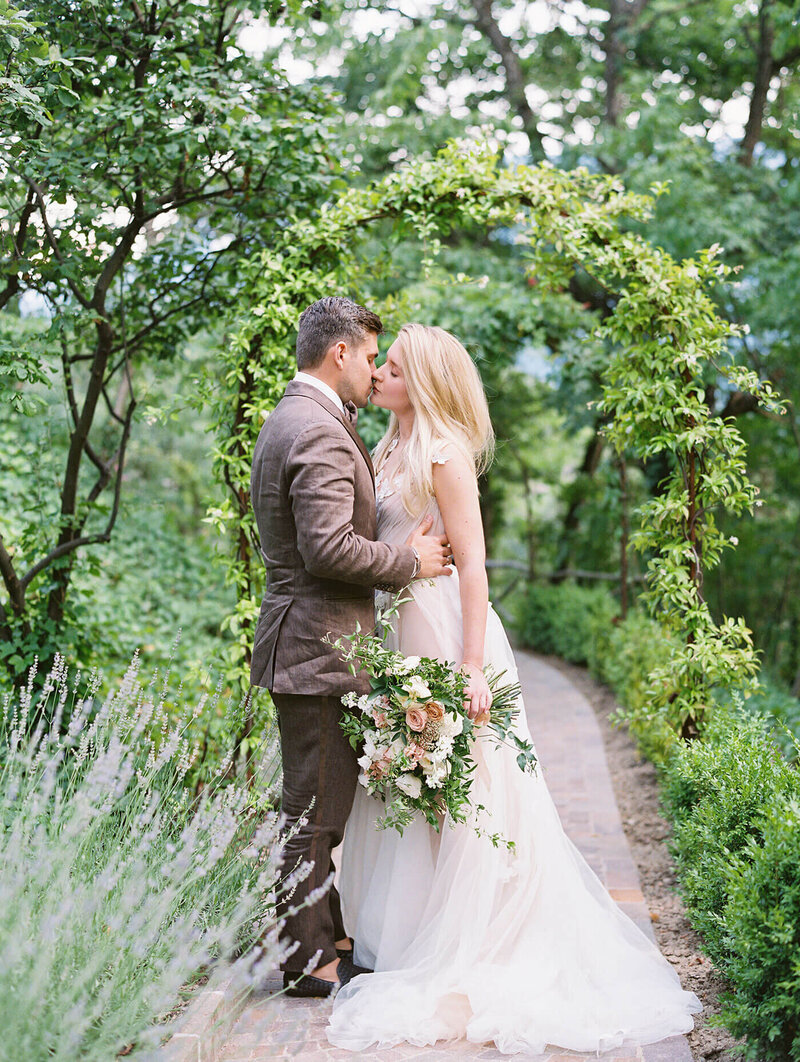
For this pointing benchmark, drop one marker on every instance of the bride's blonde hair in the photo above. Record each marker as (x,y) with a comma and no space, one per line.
(449,405)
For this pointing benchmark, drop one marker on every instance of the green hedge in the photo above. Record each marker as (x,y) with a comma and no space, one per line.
(734,803)
(563,620)
(734,800)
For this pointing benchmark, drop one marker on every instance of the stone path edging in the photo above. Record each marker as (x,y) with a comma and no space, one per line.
(570,748)
(202,1030)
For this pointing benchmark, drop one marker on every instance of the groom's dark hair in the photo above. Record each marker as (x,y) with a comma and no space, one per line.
(329,320)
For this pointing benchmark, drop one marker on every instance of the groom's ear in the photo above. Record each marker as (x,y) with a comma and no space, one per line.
(336,352)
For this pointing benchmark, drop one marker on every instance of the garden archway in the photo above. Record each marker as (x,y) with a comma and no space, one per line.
(662,338)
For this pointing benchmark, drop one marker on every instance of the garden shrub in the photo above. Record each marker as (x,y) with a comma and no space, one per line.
(563,619)
(783,710)
(718,791)
(762,920)
(624,657)
(734,799)
(119,884)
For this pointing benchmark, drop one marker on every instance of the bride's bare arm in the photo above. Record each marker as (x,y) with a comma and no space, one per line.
(456,491)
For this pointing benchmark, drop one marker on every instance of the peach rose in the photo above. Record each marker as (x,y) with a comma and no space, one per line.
(416,718)
(434,710)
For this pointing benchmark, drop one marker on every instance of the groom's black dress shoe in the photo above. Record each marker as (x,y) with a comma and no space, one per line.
(304,986)
(348,969)
(346,953)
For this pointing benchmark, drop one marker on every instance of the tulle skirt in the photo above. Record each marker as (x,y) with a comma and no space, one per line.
(521,947)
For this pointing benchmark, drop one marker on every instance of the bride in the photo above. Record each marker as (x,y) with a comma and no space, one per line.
(518,946)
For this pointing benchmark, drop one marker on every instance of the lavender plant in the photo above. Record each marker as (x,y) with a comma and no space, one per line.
(119,885)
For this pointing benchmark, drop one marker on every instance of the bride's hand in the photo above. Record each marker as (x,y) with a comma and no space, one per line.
(477,696)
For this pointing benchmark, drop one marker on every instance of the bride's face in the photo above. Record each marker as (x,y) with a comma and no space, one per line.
(389,385)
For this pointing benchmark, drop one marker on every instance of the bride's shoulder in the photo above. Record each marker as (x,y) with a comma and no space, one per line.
(450,461)
(444,450)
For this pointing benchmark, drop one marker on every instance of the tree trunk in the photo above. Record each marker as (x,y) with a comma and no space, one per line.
(765,68)
(613,48)
(515,78)
(591,460)
(70,523)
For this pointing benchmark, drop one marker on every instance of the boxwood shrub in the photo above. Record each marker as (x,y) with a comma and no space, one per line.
(734,799)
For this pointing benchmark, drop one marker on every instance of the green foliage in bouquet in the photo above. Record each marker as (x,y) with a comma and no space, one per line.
(415,736)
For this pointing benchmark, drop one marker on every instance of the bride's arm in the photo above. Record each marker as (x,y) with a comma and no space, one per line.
(456,490)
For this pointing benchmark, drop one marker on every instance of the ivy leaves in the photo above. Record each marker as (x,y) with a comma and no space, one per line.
(662,341)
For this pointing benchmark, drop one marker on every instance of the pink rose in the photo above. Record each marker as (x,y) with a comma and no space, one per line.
(416,718)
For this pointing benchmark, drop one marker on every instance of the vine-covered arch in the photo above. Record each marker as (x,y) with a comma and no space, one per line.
(662,339)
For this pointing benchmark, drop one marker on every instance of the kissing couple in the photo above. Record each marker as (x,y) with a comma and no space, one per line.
(430,935)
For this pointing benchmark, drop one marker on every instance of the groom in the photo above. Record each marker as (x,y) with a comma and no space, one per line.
(313,495)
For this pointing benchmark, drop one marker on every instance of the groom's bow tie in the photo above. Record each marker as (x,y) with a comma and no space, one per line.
(350,412)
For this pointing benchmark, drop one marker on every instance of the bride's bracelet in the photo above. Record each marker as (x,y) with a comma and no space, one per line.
(417,563)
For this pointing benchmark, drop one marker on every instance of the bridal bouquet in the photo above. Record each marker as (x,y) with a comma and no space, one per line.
(415,736)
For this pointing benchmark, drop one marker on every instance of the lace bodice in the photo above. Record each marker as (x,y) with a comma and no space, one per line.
(394,522)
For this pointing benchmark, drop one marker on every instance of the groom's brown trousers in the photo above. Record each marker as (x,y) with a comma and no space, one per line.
(319,766)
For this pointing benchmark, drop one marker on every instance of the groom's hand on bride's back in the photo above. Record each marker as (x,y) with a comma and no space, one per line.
(435,556)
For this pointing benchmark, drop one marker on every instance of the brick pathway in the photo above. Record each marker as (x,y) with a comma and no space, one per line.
(570,749)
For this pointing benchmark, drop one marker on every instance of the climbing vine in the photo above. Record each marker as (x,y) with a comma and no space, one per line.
(663,340)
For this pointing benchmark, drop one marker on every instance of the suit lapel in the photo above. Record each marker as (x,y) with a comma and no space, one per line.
(297,387)
(361,445)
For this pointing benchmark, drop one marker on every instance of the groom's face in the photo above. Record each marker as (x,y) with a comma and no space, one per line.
(358,368)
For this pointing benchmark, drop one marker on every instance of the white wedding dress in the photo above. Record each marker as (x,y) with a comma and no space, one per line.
(521,948)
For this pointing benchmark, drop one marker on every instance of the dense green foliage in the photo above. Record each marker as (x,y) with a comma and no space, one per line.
(735,806)
(734,802)
(267,113)
(565,619)
(716,791)
(124,213)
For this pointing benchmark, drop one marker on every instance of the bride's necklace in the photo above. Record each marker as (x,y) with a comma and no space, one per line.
(390,449)
(382,480)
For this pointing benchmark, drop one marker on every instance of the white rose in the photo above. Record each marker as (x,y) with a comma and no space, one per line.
(397,747)
(417,688)
(452,725)
(409,784)
(412,661)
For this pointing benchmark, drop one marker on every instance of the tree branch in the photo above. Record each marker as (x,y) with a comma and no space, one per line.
(765,66)
(73,405)
(13,285)
(158,319)
(15,588)
(69,546)
(51,238)
(486,22)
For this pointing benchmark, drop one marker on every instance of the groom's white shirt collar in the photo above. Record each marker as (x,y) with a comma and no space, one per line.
(307,378)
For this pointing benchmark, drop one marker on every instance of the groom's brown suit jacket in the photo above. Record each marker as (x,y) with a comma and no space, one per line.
(313,494)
